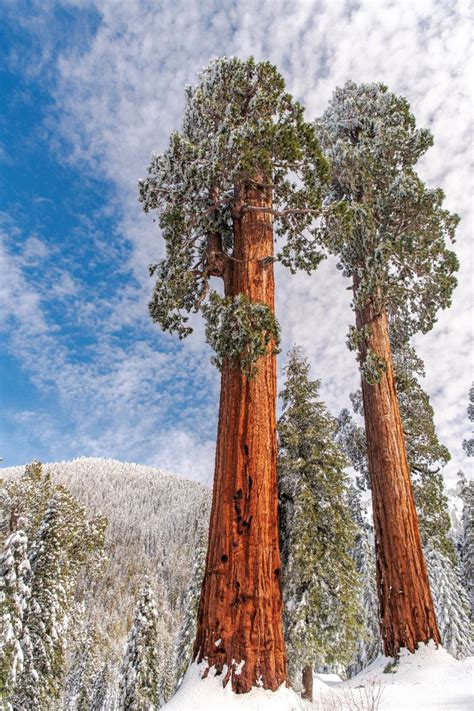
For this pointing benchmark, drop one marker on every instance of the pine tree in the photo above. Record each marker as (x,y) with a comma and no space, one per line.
(451,603)
(369,642)
(319,578)
(244,159)
(61,543)
(14,594)
(395,253)
(466,492)
(100,689)
(350,437)
(23,501)
(140,678)
(183,651)
(81,682)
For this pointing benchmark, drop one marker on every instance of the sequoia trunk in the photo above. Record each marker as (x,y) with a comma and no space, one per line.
(406,607)
(239,623)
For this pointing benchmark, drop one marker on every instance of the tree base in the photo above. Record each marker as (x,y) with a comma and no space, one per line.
(209,694)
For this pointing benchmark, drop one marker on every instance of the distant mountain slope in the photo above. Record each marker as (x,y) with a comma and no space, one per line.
(153,524)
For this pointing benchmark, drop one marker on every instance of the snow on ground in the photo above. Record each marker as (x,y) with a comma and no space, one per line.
(430,680)
(196,694)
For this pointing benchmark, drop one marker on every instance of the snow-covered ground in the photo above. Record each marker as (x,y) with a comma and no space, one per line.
(197,694)
(429,680)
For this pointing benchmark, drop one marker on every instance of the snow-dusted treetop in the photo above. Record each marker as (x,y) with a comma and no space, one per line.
(396,250)
(240,126)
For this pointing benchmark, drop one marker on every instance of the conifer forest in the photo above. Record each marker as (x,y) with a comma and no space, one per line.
(328,560)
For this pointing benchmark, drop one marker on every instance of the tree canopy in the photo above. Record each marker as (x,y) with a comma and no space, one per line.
(395,250)
(239,126)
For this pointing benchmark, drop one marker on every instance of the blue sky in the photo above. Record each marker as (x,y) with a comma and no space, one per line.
(88,91)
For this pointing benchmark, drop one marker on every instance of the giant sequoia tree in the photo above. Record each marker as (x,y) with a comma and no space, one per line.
(395,254)
(426,459)
(244,161)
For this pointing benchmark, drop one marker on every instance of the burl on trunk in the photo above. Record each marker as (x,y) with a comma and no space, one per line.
(239,623)
(406,607)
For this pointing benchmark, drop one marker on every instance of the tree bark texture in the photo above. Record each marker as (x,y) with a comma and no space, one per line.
(406,606)
(307,683)
(239,623)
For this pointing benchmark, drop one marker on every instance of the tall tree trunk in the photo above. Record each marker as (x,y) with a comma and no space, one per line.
(406,607)
(307,678)
(239,623)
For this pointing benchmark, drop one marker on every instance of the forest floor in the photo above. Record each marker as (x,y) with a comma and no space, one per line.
(429,680)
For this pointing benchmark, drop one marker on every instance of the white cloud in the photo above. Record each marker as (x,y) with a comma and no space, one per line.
(118,100)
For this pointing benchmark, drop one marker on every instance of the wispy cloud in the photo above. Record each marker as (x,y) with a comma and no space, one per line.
(111,397)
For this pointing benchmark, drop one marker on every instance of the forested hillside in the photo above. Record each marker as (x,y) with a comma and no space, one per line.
(153,520)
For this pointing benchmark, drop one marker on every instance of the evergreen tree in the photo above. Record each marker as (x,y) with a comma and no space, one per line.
(101,689)
(451,603)
(168,671)
(319,581)
(183,650)
(14,594)
(80,686)
(60,546)
(350,437)
(369,642)
(468,444)
(23,501)
(244,159)
(395,253)
(466,492)
(140,678)
(426,455)
(63,543)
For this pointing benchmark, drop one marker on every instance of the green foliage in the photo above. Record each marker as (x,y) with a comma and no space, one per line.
(322,615)
(373,367)
(426,455)
(61,542)
(240,127)
(239,331)
(395,247)
(350,437)
(369,640)
(466,492)
(451,603)
(80,685)
(142,663)
(183,650)
(14,594)
(23,501)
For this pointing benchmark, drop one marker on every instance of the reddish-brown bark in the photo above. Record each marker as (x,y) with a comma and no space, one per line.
(406,607)
(240,610)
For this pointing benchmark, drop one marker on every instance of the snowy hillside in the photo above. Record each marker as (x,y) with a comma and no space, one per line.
(152,529)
